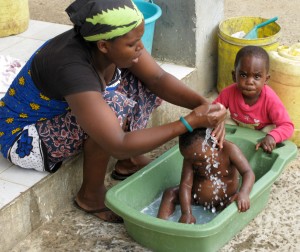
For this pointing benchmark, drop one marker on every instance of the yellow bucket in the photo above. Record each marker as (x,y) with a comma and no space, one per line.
(228,46)
(14,17)
(285,81)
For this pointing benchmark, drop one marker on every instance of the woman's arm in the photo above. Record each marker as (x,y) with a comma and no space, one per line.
(165,85)
(101,124)
(172,90)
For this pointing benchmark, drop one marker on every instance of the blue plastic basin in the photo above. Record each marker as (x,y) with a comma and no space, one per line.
(151,13)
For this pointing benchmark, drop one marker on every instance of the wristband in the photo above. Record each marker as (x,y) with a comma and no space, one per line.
(186,124)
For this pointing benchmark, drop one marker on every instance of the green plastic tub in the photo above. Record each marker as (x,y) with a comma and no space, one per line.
(132,195)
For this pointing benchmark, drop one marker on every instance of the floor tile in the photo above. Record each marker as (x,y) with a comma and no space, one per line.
(9,42)
(4,164)
(25,177)
(178,71)
(23,49)
(51,31)
(35,27)
(9,191)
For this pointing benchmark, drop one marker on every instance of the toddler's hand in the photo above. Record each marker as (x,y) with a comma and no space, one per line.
(187,218)
(267,144)
(219,134)
(243,201)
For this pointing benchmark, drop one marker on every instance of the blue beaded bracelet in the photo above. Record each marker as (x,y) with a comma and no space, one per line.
(186,124)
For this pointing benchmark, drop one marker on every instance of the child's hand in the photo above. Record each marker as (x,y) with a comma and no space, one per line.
(219,134)
(187,218)
(243,201)
(267,144)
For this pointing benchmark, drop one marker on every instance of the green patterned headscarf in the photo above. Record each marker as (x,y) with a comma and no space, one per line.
(104,19)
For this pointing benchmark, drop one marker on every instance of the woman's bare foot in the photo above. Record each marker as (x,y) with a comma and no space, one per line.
(125,168)
(102,213)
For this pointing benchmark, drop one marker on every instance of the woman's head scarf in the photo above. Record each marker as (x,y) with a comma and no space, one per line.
(104,19)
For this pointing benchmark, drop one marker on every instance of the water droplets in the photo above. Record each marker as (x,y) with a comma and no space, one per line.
(214,176)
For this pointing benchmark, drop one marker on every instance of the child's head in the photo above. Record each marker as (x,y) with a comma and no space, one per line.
(191,143)
(253,51)
(251,70)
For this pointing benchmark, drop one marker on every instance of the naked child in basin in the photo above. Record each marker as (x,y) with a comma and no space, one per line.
(210,177)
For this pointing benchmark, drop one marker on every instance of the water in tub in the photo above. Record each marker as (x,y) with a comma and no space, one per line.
(203,214)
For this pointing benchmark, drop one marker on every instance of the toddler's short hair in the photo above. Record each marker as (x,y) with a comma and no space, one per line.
(255,51)
(188,138)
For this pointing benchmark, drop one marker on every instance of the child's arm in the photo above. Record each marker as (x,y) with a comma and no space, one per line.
(278,115)
(185,193)
(248,178)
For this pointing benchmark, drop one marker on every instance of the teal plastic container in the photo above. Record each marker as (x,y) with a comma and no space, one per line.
(151,13)
(135,193)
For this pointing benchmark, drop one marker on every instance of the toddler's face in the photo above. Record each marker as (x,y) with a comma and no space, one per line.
(251,75)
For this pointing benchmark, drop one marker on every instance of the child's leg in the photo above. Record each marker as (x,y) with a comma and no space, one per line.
(168,203)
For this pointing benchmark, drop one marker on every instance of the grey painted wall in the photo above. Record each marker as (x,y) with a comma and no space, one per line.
(175,37)
(186,34)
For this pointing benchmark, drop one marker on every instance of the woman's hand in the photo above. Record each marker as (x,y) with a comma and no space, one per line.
(267,144)
(207,115)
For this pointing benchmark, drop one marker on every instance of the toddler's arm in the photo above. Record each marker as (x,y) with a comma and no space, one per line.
(248,178)
(185,193)
(284,128)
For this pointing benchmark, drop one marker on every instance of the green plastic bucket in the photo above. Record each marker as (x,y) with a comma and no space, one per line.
(228,46)
(151,13)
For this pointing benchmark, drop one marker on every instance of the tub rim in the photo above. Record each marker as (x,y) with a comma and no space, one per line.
(262,185)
